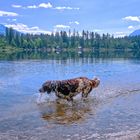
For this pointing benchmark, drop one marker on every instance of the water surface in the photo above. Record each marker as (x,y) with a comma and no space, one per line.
(111,111)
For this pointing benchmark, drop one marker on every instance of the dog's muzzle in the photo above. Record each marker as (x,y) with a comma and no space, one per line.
(41,90)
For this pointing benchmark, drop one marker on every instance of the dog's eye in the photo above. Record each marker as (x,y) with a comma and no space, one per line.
(46,88)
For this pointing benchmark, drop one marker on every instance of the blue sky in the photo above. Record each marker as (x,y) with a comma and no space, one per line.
(45,16)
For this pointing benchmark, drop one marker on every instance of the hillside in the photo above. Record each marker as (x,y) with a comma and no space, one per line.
(2,29)
(135,33)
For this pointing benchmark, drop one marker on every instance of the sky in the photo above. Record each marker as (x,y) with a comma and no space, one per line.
(117,17)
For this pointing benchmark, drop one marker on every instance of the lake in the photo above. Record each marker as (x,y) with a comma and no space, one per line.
(111,111)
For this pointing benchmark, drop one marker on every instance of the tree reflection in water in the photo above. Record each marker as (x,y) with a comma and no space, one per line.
(65,55)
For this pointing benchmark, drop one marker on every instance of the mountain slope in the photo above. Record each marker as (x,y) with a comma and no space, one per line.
(135,33)
(2,29)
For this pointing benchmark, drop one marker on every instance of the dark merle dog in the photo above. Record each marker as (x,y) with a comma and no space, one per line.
(67,89)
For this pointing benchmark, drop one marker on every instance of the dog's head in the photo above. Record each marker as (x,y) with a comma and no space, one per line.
(95,82)
(46,87)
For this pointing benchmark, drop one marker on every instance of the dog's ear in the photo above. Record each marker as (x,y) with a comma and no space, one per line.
(95,78)
(95,82)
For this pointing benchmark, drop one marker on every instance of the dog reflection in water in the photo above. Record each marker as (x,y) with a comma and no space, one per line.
(63,113)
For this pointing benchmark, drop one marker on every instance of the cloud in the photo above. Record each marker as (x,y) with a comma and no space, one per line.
(12,20)
(16,6)
(61,26)
(131,27)
(120,34)
(45,5)
(97,30)
(41,5)
(31,7)
(25,29)
(66,8)
(74,22)
(6,14)
(132,18)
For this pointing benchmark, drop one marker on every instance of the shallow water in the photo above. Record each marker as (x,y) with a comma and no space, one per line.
(111,111)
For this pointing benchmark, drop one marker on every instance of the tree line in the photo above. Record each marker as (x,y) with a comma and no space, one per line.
(68,40)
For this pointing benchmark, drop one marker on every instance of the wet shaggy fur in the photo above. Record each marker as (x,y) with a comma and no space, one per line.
(67,89)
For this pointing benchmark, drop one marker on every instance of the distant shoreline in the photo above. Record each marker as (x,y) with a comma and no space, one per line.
(11,49)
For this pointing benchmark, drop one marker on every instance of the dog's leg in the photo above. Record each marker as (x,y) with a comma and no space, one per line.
(86,92)
(69,99)
(60,95)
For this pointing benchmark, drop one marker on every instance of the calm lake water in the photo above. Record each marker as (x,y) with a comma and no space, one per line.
(111,111)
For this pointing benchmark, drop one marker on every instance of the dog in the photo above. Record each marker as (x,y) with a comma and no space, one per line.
(67,89)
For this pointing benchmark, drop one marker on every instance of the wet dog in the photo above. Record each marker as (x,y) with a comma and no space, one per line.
(67,89)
